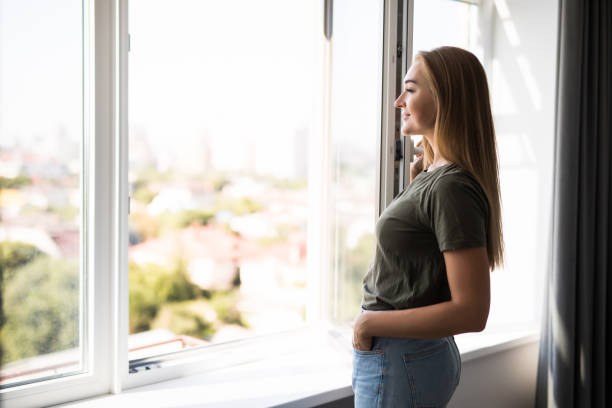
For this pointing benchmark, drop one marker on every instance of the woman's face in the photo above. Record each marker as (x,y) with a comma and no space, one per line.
(417,103)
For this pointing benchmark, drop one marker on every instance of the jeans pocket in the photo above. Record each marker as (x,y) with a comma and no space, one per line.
(432,374)
(367,374)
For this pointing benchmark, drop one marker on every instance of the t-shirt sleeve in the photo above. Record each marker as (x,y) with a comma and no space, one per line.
(458,213)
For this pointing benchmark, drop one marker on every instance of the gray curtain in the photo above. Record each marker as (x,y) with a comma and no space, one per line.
(576,337)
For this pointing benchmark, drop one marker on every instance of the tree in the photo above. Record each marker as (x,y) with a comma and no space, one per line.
(152,286)
(14,255)
(14,182)
(41,307)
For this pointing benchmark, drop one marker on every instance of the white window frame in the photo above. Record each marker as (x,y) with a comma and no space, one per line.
(390,82)
(198,360)
(98,245)
(193,361)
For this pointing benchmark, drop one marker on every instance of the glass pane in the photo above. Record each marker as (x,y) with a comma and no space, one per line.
(41,97)
(221,102)
(355,116)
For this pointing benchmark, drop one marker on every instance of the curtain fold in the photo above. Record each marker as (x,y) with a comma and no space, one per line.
(576,329)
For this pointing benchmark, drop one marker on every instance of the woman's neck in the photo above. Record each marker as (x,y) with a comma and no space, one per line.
(438,161)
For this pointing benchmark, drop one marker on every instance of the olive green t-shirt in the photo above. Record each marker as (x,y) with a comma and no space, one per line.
(441,210)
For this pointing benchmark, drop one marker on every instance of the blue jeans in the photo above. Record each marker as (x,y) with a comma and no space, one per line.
(406,372)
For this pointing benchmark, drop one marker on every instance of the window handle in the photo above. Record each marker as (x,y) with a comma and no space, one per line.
(328,18)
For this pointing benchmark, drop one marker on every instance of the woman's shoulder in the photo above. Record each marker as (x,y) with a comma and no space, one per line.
(449,174)
(453,180)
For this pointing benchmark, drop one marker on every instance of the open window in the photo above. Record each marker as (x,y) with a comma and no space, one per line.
(221,106)
(200,180)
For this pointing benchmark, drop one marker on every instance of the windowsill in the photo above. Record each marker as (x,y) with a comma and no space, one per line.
(319,374)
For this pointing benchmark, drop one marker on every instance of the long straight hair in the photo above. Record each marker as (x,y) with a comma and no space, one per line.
(464,133)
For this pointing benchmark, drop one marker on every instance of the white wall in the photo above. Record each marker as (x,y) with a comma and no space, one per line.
(521,65)
(500,380)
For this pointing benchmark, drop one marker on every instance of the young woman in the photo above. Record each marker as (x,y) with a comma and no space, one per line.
(435,243)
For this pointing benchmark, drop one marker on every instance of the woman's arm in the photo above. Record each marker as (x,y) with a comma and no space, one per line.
(467,311)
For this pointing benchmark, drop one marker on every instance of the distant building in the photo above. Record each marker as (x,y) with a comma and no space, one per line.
(212,253)
(215,256)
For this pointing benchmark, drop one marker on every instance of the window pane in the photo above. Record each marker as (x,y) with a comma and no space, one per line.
(355,115)
(221,101)
(41,96)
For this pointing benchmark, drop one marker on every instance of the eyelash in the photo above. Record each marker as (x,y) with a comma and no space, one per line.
(409,90)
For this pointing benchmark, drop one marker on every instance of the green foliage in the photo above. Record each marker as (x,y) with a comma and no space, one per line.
(66,213)
(148,175)
(354,266)
(143,194)
(241,206)
(148,227)
(162,297)
(224,304)
(152,286)
(41,308)
(187,217)
(360,257)
(14,182)
(290,184)
(267,241)
(200,317)
(14,255)
(187,317)
(219,181)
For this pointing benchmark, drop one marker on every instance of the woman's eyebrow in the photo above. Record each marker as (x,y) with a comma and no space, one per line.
(410,80)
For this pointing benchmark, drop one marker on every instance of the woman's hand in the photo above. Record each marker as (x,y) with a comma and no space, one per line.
(361,340)
(416,166)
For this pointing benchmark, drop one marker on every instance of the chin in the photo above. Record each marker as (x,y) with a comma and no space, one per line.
(407,131)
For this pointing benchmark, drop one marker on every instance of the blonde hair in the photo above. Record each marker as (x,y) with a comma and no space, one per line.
(464,132)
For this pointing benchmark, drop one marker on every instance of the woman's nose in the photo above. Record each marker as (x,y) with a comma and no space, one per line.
(399,102)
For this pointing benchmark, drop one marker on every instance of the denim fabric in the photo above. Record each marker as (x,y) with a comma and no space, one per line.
(408,373)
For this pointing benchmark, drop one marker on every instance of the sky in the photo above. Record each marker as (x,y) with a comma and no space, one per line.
(40,70)
(236,75)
